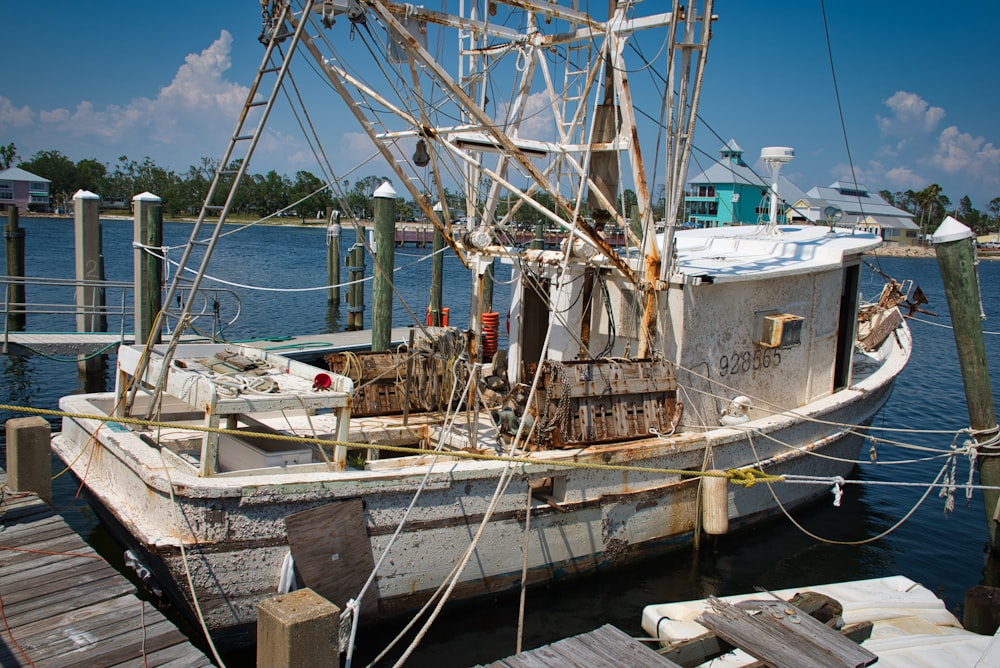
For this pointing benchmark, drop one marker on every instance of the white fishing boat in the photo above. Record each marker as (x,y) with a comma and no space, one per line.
(582,445)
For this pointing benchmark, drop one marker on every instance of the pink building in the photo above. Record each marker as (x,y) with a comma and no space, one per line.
(27,191)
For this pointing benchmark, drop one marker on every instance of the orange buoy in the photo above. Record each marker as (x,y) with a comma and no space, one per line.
(491,334)
(444,317)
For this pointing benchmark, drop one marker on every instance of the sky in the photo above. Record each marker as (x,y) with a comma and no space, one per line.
(916,80)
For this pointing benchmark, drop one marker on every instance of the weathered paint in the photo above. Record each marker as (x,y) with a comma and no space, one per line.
(233,525)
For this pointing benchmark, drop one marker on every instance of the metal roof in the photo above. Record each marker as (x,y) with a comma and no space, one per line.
(847,199)
(18,174)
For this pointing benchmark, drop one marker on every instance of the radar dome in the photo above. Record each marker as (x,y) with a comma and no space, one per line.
(777,154)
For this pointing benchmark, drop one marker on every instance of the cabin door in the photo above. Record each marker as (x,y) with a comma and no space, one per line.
(846,327)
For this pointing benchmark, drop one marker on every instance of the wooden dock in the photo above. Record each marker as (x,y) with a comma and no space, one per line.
(606,646)
(64,606)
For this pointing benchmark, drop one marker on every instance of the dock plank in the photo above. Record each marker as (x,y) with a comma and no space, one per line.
(606,646)
(66,606)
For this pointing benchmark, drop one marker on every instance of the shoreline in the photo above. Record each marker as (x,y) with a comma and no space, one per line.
(887,250)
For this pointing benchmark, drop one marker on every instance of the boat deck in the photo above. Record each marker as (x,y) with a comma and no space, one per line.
(64,605)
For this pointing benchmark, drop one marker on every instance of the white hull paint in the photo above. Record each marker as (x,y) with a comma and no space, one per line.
(234,530)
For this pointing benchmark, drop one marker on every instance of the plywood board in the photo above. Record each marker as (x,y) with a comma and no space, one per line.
(332,554)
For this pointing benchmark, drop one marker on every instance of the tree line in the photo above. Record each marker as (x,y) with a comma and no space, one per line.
(930,206)
(184,193)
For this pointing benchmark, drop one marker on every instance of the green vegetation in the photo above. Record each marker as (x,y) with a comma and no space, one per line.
(259,195)
(930,205)
(262,195)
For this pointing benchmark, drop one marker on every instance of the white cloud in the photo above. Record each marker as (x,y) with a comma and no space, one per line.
(904,178)
(11,116)
(911,114)
(973,159)
(184,122)
(960,151)
(538,121)
(919,154)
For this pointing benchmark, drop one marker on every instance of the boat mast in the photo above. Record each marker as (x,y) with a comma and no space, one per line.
(682,110)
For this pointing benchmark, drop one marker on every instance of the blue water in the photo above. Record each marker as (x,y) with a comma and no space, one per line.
(942,551)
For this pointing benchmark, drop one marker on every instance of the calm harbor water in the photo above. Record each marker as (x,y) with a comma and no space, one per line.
(942,551)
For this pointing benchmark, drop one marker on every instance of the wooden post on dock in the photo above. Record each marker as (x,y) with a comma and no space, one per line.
(147,268)
(29,459)
(539,240)
(298,630)
(356,289)
(333,230)
(15,268)
(437,272)
(488,286)
(384,264)
(953,244)
(87,235)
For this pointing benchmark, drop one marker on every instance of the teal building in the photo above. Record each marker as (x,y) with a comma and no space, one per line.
(730,192)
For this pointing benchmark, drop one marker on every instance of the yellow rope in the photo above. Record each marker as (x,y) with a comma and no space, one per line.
(746,478)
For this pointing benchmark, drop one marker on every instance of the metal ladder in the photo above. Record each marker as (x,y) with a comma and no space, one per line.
(574,86)
(245,137)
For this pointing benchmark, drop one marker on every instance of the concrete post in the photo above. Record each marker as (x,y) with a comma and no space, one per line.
(298,630)
(29,459)
(14,236)
(147,269)
(385,262)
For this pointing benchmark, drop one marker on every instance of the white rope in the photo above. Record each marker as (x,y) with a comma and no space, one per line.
(865,541)
(445,432)
(184,560)
(502,483)
(150,249)
(942,325)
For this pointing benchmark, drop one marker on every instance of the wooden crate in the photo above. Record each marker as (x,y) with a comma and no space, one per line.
(584,402)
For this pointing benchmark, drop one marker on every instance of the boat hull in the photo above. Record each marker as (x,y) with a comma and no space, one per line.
(235,531)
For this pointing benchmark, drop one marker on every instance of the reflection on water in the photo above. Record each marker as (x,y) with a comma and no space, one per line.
(942,551)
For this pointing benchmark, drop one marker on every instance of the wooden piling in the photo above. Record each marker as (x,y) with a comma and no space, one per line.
(384,264)
(539,240)
(86,231)
(14,236)
(356,289)
(87,235)
(29,459)
(982,610)
(437,272)
(298,630)
(437,277)
(488,286)
(956,254)
(147,268)
(333,231)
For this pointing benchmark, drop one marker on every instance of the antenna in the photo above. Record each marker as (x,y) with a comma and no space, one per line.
(774,157)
